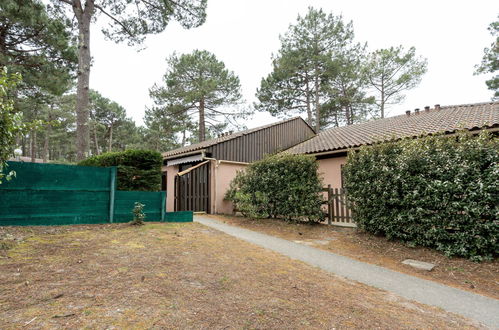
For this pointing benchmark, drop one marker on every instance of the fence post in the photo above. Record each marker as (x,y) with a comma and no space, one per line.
(329,205)
(163,201)
(112,190)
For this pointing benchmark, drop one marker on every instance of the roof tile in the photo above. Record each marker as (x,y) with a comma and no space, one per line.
(448,119)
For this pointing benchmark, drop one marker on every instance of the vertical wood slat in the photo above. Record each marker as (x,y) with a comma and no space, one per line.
(336,202)
(195,195)
(339,211)
(206,198)
(192,190)
(329,204)
(184,191)
(342,208)
(176,206)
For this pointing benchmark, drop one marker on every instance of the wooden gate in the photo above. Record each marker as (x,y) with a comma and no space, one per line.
(338,210)
(192,189)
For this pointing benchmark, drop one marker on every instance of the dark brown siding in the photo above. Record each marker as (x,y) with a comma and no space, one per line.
(253,146)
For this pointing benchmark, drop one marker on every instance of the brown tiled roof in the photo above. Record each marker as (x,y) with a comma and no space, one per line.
(209,143)
(448,119)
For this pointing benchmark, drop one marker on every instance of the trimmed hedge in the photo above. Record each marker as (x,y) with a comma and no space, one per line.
(285,186)
(138,170)
(439,192)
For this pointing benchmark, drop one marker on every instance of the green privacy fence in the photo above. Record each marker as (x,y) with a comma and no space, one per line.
(154,205)
(52,194)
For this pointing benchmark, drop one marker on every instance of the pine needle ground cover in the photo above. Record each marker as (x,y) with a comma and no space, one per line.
(461,273)
(181,276)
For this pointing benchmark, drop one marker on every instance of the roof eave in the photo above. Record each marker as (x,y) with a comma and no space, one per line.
(183,154)
(474,130)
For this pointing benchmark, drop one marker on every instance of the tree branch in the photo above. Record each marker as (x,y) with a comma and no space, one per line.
(114,19)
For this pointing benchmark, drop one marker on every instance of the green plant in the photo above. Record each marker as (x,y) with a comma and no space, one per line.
(437,191)
(283,185)
(137,169)
(138,214)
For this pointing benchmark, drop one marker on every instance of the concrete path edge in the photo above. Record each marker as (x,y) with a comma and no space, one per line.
(477,307)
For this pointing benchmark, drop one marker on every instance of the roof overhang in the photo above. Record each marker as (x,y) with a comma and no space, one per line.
(474,131)
(183,154)
(184,159)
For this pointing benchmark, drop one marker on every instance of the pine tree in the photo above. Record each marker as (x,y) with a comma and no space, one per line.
(198,87)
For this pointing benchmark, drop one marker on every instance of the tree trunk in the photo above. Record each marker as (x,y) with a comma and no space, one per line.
(33,146)
(84,17)
(317,102)
(48,132)
(202,127)
(183,138)
(46,144)
(309,108)
(94,137)
(110,138)
(382,97)
(382,103)
(23,145)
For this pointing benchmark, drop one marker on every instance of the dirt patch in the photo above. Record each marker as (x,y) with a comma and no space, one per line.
(182,276)
(462,273)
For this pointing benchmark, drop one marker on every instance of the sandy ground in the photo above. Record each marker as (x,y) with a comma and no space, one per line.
(181,276)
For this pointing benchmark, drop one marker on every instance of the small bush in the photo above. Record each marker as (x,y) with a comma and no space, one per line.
(137,169)
(283,185)
(440,192)
(138,214)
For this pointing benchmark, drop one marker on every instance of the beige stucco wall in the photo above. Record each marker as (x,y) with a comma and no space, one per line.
(330,170)
(171,171)
(224,173)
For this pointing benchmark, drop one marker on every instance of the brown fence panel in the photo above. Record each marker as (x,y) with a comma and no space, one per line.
(338,210)
(192,189)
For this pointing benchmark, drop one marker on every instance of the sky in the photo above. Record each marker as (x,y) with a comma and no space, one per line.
(245,33)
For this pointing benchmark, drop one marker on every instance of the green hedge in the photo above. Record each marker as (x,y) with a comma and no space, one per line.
(283,185)
(138,170)
(439,192)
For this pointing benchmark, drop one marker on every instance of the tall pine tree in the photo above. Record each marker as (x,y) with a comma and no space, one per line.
(198,88)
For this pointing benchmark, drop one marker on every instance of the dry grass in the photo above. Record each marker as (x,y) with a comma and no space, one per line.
(462,273)
(182,276)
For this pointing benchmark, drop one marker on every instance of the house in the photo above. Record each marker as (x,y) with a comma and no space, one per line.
(330,147)
(197,176)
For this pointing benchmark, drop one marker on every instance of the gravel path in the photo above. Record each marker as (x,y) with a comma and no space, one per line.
(477,307)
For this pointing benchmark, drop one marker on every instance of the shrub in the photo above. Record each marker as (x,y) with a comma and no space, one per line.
(137,169)
(283,185)
(439,192)
(138,214)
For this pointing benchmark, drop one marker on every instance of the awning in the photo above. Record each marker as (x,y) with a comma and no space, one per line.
(184,160)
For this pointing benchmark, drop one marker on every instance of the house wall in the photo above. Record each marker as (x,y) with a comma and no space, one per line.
(171,171)
(330,170)
(224,173)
